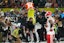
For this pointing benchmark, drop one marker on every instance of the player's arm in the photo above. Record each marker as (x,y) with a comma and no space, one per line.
(45,26)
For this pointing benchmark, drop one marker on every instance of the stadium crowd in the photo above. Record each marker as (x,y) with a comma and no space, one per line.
(37,3)
(14,25)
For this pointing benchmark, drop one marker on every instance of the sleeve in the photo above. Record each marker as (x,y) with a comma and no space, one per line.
(26,25)
(13,33)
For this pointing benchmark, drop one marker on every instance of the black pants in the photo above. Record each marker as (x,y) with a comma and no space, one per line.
(22,32)
(42,33)
(59,33)
(34,35)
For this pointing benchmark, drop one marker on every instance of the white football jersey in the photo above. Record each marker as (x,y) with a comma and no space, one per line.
(49,26)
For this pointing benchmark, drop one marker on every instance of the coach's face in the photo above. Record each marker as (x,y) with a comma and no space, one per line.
(31,20)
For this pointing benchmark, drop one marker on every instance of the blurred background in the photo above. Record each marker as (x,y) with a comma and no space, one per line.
(37,3)
(16,26)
